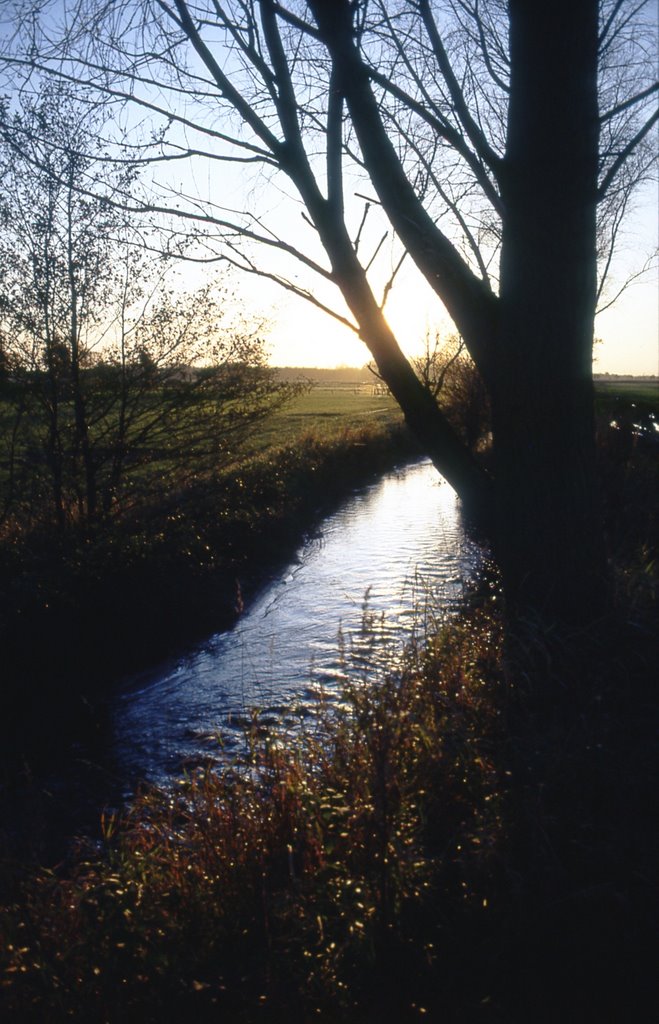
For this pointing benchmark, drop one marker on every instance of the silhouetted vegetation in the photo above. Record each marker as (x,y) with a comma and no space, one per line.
(118,385)
(170,568)
(421,849)
(466,835)
(427,134)
(412,854)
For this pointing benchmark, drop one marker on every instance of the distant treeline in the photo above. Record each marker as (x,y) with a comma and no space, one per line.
(362,375)
(623,378)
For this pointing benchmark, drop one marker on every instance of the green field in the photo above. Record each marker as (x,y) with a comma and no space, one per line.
(326,412)
(646,391)
(332,407)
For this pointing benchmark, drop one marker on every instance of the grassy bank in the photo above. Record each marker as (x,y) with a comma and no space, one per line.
(409,857)
(289,890)
(133,589)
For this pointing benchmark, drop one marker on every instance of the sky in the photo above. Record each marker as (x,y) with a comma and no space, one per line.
(628,331)
(301,335)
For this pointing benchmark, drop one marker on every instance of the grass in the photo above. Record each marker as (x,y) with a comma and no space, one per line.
(280,887)
(631,390)
(165,571)
(412,855)
(325,413)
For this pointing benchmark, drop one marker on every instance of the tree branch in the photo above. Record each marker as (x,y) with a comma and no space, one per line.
(473,132)
(445,131)
(237,101)
(625,154)
(335,146)
(124,96)
(468,300)
(629,103)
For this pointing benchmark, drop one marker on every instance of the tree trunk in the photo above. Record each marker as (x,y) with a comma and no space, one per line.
(81,427)
(533,345)
(549,536)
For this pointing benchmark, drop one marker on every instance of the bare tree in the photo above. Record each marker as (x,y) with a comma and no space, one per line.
(481,136)
(118,383)
(448,372)
(58,273)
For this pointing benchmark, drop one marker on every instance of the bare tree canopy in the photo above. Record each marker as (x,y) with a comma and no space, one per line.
(476,139)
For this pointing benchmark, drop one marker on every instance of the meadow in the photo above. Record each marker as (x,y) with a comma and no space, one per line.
(327,411)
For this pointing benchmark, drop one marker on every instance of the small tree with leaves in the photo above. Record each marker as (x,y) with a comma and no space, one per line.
(118,382)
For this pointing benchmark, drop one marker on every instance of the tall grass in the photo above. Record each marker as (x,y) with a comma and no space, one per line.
(166,573)
(448,839)
(291,884)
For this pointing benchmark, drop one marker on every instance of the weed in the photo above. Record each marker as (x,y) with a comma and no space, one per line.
(289,881)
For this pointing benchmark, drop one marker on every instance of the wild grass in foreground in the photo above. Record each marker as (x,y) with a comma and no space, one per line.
(291,885)
(447,842)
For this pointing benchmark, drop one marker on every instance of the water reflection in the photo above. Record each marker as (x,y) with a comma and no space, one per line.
(380,555)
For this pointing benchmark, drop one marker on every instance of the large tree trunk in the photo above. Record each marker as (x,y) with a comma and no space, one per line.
(533,345)
(549,536)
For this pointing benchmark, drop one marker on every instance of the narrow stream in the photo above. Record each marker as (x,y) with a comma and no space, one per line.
(389,549)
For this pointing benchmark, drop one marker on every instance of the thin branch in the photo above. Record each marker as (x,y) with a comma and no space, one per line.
(625,154)
(630,280)
(292,154)
(271,240)
(473,131)
(375,252)
(238,102)
(248,47)
(629,103)
(123,95)
(246,266)
(615,221)
(296,21)
(445,131)
(390,283)
(367,207)
(184,153)
(453,206)
(473,13)
(611,20)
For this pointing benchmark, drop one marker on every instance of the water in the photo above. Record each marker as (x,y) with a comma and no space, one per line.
(390,547)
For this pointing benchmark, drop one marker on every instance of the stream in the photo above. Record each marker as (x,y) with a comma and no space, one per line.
(392,548)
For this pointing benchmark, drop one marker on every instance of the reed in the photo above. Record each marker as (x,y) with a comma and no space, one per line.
(292,881)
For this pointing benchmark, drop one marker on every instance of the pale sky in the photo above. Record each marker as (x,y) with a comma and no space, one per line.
(628,331)
(301,335)
(630,328)
(304,336)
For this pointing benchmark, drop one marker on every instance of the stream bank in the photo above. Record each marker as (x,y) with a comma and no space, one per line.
(78,615)
(78,611)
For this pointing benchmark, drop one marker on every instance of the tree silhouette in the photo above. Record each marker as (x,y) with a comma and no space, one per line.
(489,133)
(118,384)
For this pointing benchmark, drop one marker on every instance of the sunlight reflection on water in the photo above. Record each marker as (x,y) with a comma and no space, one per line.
(392,547)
